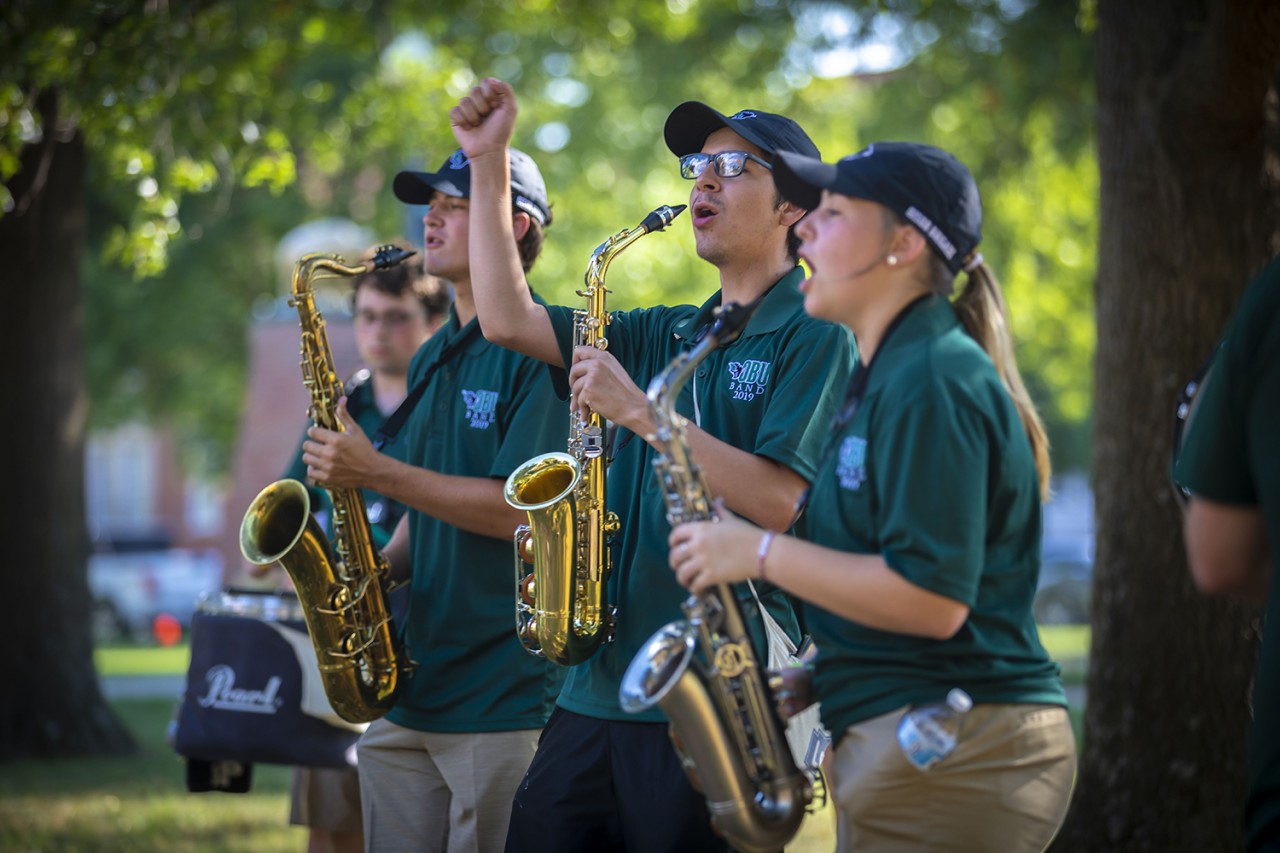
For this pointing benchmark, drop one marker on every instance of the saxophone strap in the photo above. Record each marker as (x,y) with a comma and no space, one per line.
(395,421)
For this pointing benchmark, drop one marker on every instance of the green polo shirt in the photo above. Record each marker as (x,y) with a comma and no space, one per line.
(935,473)
(383,512)
(1231,454)
(485,412)
(771,392)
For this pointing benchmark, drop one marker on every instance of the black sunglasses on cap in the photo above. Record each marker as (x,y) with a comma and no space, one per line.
(728,164)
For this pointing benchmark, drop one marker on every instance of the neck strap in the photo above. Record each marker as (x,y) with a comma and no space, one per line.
(395,421)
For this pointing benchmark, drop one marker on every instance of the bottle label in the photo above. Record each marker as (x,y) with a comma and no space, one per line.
(923,741)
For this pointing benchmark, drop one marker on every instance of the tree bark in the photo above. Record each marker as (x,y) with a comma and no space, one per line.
(53,705)
(1187,158)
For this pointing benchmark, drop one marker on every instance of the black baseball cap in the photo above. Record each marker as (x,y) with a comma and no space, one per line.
(928,187)
(692,122)
(528,191)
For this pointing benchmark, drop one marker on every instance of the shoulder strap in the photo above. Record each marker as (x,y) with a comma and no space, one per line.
(395,421)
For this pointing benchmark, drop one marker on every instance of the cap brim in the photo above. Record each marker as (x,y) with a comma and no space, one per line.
(689,125)
(802,179)
(417,187)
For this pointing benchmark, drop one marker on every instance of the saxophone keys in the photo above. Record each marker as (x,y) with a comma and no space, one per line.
(528,588)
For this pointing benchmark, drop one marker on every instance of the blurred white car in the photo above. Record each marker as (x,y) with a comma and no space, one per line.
(131,588)
(1066,581)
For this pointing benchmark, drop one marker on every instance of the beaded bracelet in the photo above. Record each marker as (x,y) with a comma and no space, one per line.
(763,551)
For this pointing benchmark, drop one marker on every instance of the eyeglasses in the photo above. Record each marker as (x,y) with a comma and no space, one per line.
(729,164)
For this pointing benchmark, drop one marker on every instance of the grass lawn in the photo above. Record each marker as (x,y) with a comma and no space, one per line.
(140,803)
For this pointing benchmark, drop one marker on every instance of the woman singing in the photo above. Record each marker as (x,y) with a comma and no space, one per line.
(924,517)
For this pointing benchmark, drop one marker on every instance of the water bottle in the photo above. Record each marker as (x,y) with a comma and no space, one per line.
(927,733)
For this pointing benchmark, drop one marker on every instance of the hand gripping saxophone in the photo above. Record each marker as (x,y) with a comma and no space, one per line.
(723,720)
(343,600)
(561,611)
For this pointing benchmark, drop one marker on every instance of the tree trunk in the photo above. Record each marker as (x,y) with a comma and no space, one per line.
(1188,214)
(53,706)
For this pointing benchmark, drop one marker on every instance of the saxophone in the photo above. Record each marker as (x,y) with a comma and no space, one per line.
(561,612)
(344,600)
(723,720)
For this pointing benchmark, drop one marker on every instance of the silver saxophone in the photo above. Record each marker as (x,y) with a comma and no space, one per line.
(724,723)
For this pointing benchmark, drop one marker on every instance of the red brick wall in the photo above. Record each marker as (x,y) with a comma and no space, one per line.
(274,416)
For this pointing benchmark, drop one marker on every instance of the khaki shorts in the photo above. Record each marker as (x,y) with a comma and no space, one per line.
(1005,788)
(325,798)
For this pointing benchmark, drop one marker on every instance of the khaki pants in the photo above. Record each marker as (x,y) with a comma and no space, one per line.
(325,798)
(1005,788)
(436,791)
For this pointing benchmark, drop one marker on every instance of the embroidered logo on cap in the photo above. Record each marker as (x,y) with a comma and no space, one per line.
(459,160)
(741,114)
(749,378)
(481,407)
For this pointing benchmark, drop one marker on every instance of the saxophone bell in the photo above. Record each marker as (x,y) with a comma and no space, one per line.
(724,724)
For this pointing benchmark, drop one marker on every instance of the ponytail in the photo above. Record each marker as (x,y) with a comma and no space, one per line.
(981,309)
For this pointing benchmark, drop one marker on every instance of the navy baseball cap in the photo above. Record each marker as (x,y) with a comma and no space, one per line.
(528,191)
(690,124)
(928,187)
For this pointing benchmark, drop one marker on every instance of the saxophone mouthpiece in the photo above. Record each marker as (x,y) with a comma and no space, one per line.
(388,256)
(730,320)
(662,217)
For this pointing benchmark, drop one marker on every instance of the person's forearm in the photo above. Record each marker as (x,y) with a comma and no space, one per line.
(755,487)
(508,315)
(861,588)
(474,504)
(1227,549)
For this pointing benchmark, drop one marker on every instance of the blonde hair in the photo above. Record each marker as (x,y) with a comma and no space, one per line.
(982,312)
(981,309)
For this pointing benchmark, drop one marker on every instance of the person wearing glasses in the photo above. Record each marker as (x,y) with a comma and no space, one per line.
(924,522)
(604,779)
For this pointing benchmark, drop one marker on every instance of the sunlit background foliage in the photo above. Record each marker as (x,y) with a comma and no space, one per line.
(213,128)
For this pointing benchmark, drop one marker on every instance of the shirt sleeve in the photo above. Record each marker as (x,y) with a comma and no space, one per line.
(933,460)
(1213,461)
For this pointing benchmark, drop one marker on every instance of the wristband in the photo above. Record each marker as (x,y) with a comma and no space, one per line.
(762,552)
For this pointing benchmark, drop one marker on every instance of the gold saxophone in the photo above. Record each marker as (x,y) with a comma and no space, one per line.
(561,612)
(344,600)
(724,723)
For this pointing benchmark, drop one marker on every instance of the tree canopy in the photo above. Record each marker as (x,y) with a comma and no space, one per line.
(215,127)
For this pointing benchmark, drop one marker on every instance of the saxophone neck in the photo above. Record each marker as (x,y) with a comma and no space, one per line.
(314,265)
(665,388)
(606,251)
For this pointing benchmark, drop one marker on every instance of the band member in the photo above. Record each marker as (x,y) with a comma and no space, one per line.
(438,771)
(1230,463)
(924,518)
(395,311)
(602,778)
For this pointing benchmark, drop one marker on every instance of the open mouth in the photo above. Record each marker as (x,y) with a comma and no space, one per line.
(704,212)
